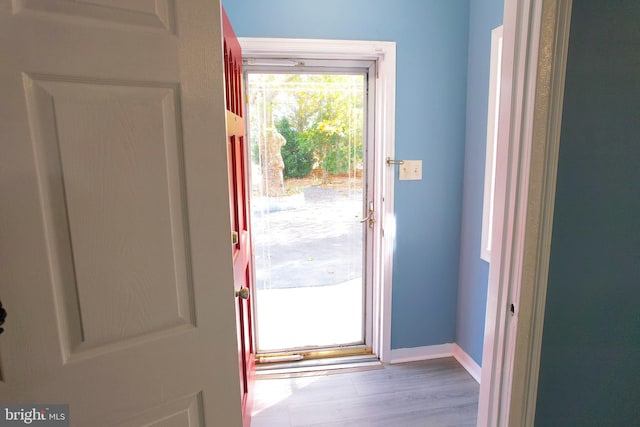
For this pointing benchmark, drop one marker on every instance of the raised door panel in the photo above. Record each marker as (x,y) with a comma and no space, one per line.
(184,412)
(110,166)
(154,15)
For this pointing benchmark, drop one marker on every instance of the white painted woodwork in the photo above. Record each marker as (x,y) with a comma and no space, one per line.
(110,168)
(115,262)
(186,411)
(412,354)
(384,55)
(438,351)
(467,362)
(149,15)
(531,95)
(493,106)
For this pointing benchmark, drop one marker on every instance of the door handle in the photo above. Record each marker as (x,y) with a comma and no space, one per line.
(243,293)
(371,217)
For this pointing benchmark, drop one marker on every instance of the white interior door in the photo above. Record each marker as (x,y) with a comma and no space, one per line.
(115,264)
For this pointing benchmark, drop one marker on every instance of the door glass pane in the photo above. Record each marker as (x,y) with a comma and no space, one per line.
(306,134)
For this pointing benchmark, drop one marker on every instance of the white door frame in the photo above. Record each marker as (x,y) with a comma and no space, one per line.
(384,54)
(535,45)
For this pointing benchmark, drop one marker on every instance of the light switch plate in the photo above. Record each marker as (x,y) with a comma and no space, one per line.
(411,170)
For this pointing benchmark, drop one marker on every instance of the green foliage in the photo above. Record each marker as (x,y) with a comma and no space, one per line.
(297,155)
(320,115)
(328,112)
(255,152)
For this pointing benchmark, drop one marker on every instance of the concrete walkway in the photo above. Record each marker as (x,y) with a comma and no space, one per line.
(318,243)
(308,262)
(310,316)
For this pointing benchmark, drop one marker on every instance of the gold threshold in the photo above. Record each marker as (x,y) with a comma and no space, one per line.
(292,356)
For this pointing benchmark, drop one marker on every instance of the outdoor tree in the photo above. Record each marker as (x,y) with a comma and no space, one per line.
(297,154)
(321,117)
(327,113)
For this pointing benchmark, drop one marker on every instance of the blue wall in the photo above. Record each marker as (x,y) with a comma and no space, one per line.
(590,367)
(432,38)
(484,16)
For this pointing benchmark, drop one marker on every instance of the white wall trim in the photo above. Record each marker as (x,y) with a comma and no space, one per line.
(535,49)
(467,362)
(492,140)
(384,54)
(403,355)
(439,351)
(385,129)
(315,48)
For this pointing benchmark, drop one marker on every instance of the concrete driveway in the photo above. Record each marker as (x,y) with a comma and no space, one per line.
(308,261)
(317,243)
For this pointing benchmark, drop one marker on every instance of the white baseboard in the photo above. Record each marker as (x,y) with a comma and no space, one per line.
(439,351)
(467,362)
(402,355)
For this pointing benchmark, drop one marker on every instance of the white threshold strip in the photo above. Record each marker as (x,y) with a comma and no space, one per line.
(403,355)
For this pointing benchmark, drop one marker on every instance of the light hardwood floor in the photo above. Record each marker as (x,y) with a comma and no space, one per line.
(431,393)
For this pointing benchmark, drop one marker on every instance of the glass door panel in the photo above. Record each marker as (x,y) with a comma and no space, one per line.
(308,167)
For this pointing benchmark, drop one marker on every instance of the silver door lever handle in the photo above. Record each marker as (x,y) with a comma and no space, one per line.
(371,218)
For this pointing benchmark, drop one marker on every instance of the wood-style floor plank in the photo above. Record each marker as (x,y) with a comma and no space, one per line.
(429,393)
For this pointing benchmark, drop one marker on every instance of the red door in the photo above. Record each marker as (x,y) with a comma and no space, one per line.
(239,202)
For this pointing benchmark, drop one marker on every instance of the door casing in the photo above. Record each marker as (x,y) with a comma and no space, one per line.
(536,34)
(383,54)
